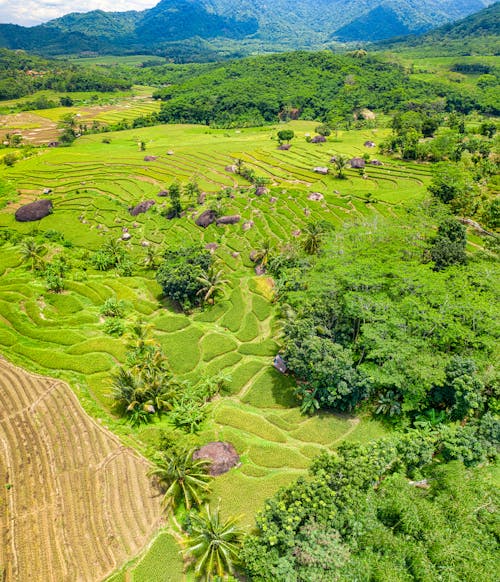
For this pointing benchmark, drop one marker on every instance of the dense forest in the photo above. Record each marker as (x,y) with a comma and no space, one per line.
(320,86)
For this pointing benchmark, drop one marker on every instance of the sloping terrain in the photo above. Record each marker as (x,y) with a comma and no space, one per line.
(261,25)
(74,503)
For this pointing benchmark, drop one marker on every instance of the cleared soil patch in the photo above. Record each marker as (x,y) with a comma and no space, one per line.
(74,502)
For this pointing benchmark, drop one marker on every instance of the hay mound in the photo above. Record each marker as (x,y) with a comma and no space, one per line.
(223,456)
(142,207)
(34,211)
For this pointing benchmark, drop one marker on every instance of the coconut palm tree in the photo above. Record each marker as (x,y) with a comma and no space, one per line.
(312,237)
(184,479)
(32,251)
(211,284)
(340,164)
(261,256)
(213,543)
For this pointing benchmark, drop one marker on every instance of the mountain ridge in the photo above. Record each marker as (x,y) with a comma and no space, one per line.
(284,24)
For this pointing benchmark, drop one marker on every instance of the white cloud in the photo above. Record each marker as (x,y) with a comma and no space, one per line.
(29,12)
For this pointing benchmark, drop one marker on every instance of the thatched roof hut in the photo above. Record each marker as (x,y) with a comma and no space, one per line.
(321,170)
(369,144)
(357,163)
(206,218)
(34,211)
(318,139)
(280,364)
(142,207)
(223,456)
(231,219)
(261,190)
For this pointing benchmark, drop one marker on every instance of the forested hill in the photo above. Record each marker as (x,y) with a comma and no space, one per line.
(478,33)
(250,25)
(22,74)
(311,85)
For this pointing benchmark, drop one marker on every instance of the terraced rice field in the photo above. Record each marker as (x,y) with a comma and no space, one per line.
(75,503)
(93,185)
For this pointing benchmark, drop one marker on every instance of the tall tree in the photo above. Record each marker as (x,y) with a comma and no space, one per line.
(214,543)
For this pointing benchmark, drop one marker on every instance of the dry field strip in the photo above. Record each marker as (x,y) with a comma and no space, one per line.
(76,503)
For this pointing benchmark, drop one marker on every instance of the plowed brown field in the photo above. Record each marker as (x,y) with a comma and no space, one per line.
(74,502)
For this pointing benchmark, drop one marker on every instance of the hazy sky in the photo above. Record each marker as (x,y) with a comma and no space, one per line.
(30,12)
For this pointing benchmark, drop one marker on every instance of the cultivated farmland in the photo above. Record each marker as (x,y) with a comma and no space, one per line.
(76,503)
(93,184)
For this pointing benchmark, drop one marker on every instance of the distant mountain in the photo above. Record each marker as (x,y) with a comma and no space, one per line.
(263,24)
(478,33)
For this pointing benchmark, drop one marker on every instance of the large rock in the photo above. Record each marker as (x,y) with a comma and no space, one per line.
(232,219)
(142,207)
(34,211)
(357,163)
(223,456)
(206,218)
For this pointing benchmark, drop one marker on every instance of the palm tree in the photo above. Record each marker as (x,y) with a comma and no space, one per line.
(151,258)
(32,251)
(313,237)
(261,256)
(184,479)
(211,284)
(340,163)
(214,543)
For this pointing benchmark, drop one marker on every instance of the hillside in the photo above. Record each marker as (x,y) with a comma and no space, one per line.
(478,33)
(262,26)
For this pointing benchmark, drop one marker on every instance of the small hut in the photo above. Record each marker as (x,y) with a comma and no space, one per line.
(317,196)
(369,144)
(222,457)
(357,163)
(34,211)
(280,364)
(163,193)
(318,139)
(285,146)
(231,169)
(320,170)
(261,190)
(150,158)
(376,163)
(202,197)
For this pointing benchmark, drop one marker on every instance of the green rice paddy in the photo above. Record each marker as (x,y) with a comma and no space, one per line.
(93,184)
